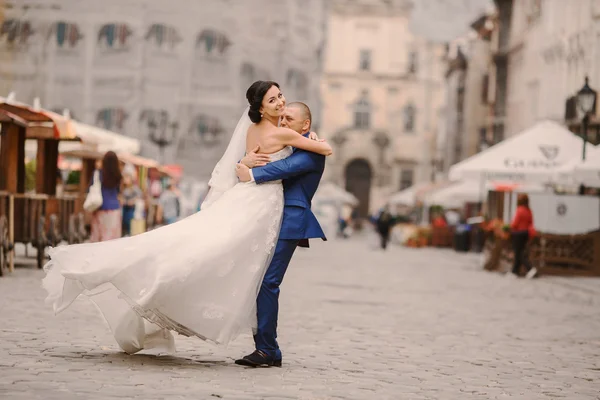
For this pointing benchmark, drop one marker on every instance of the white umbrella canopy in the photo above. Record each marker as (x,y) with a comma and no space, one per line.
(471,191)
(530,156)
(106,140)
(408,196)
(332,192)
(457,195)
(588,172)
(567,174)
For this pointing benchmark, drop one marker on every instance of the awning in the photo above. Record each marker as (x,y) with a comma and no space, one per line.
(105,140)
(329,191)
(138,161)
(38,122)
(588,172)
(416,193)
(471,191)
(408,196)
(67,129)
(173,171)
(530,156)
(123,157)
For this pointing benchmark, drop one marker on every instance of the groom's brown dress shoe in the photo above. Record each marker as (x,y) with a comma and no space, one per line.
(258,359)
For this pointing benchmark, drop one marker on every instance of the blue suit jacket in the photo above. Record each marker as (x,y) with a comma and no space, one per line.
(301,173)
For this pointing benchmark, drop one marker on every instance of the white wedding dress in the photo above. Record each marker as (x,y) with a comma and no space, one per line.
(197,277)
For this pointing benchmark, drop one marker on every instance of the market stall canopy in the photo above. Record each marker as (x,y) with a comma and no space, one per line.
(566,174)
(588,172)
(172,170)
(125,158)
(412,195)
(472,191)
(59,127)
(329,191)
(105,140)
(530,156)
(138,161)
(408,196)
(39,123)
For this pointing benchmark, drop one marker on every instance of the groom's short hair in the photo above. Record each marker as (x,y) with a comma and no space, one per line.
(304,108)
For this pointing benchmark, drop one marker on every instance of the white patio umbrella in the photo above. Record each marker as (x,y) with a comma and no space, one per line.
(530,156)
(329,191)
(588,172)
(408,196)
(471,191)
(566,173)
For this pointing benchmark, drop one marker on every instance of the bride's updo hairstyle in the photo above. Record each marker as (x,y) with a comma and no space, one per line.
(255,94)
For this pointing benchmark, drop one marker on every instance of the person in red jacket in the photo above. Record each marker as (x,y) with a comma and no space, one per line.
(521,227)
(439,221)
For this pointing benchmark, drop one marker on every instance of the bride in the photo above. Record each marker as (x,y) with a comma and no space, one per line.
(200,276)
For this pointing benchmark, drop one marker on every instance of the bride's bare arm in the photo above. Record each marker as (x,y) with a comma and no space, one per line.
(292,138)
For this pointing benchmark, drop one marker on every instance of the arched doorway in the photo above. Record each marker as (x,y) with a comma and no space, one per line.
(358,182)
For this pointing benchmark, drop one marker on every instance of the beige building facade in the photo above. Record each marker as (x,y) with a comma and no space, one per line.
(381,95)
(466,111)
(549,47)
(172,74)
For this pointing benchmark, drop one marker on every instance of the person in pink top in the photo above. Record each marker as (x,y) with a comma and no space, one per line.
(521,229)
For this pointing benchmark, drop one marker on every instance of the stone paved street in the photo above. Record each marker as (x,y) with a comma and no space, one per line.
(356,324)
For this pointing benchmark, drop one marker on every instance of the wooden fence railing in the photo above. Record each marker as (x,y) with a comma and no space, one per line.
(574,255)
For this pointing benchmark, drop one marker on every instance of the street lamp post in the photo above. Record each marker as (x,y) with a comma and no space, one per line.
(159,133)
(586,99)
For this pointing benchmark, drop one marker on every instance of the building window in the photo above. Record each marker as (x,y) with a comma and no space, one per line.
(365,60)
(409,118)
(406,178)
(362,111)
(413,62)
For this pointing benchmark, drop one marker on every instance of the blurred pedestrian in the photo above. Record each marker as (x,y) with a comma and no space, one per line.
(384,224)
(439,221)
(345,221)
(130,194)
(521,231)
(106,221)
(452,217)
(169,203)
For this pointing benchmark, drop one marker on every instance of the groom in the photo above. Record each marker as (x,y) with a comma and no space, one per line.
(301,173)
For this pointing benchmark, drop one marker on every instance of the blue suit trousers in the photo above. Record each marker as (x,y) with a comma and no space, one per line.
(267,302)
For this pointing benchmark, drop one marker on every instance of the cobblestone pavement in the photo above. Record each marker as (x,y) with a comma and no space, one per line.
(356,324)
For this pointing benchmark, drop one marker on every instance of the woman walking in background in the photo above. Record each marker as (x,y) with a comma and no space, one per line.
(106,221)
(521,231)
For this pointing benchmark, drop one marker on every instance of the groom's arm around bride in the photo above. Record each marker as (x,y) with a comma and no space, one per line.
(301,173)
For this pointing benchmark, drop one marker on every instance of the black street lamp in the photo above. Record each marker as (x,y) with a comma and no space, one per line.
(162,133)
(586,99)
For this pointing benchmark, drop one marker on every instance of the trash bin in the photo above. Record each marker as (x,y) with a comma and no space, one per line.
(462,238)
(477,238)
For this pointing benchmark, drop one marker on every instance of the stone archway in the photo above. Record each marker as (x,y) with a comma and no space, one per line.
(359,176)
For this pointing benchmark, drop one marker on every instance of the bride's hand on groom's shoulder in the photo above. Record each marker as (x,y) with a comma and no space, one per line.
(253,159)
(314,136)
